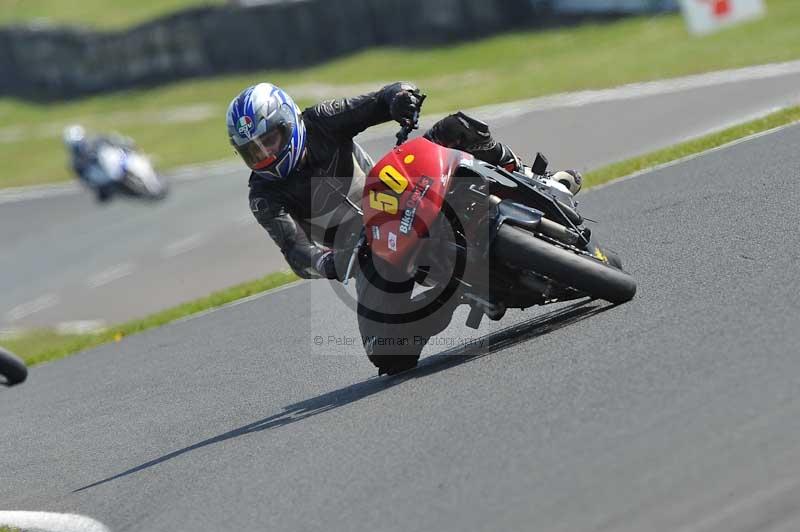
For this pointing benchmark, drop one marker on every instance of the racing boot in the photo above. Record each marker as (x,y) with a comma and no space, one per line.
(462,132)
(571,179)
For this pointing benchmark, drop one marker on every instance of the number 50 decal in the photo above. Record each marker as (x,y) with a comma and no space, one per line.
(397,182)
(393,179)
(381,201)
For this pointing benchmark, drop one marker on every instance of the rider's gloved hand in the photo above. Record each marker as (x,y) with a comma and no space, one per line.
(404,106)
(333,265)
(326,266)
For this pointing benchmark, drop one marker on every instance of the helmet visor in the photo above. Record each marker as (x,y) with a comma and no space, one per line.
(262,152)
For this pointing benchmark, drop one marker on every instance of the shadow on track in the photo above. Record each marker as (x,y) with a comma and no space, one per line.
(491,343)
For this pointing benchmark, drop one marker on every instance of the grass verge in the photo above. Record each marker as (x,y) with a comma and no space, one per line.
(45,345)
(104,14)
(183,123)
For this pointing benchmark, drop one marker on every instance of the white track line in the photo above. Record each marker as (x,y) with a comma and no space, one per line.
(31,307)
(183,245)
(51,522)
(110,275)
(81,326)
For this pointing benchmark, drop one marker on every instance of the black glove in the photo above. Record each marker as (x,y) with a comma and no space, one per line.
(326,266)
(404,106)
(333,265)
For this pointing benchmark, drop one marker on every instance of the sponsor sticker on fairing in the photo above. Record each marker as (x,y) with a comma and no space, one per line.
(392,241)
(376,232)
(407,221)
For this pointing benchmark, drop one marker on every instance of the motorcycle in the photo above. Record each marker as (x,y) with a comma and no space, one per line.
(128,172)
(479,234)
(12,368)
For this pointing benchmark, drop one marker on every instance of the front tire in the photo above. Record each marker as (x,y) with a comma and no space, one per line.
(388,346)
(395,327)
(521,249)
(12,368)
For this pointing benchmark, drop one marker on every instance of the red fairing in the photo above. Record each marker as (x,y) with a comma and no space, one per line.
(403,196)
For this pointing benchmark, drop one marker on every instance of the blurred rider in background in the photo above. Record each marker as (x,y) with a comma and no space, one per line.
(83,150)
(305,163)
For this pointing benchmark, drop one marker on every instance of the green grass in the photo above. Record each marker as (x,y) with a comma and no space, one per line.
(41,346)
(45,345)
(504,68)
(7,529)
(106,14)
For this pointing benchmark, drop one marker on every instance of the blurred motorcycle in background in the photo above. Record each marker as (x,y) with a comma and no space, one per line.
(111,165)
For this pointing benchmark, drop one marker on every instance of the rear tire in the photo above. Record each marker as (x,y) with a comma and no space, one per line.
(520,248)
(12,368)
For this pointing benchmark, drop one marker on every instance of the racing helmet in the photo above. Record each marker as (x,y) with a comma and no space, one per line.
(74,136)
(266,128)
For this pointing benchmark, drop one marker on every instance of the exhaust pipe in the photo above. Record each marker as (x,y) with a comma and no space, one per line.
(557,231)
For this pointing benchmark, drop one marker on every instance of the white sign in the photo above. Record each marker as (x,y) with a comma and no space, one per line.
(705,16)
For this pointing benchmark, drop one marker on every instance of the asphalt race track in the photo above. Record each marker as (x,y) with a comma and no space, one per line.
(679,411)
(64,259)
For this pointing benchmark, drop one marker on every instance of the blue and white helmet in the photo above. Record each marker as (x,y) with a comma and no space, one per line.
(74,136)
(266,128)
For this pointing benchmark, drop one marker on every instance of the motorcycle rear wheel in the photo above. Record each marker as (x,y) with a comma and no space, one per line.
(519,248)
(12,368)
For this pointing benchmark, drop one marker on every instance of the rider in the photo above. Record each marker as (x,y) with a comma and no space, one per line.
(304,163)
(83,151)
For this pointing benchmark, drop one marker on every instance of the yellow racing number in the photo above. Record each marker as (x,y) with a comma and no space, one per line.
(393,179)
(381,201)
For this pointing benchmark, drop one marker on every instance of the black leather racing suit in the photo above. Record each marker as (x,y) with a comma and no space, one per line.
(305,213)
